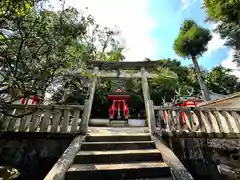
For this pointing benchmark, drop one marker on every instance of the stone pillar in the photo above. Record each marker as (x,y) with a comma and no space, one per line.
(151,117)
(149,107)
(145,87)
(88,103)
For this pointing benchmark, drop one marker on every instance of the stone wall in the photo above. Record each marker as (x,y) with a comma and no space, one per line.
(33,154)
(215,159)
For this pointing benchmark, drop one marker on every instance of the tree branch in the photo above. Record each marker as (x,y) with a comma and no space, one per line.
(4,112)
(20,47)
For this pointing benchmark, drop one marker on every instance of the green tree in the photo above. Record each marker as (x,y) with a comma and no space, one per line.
(44,46)
(11,9)
(226,11)
(39,48)
(220,81)
(226,15)
(191,43)
(172,76)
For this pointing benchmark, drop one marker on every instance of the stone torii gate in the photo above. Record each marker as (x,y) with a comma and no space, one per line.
(100,68)
(211,127)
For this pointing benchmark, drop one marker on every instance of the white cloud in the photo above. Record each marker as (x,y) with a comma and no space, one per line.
(185,4)
(216,42)
(228,63)
(132,19)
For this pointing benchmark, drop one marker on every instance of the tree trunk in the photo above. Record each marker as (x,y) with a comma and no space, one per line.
(202,84)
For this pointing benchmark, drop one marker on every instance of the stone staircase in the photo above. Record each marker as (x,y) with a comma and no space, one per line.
(118,157)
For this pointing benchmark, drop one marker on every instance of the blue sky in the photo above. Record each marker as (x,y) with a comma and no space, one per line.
(148,27)
(170,15)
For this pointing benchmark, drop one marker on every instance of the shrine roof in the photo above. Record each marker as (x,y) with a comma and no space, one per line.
(231,100)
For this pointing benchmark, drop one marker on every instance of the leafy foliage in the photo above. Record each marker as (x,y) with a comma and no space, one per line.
(192,40)
(226,15)
(44,51)
(220,81)
(219,10)
(38,49)
(43,46)
(172,75)
(11,9)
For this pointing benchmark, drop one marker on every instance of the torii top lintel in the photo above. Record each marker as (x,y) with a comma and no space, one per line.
(125,65)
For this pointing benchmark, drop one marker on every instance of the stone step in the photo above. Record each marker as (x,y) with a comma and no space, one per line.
(165,178)
(118,171)
(117,138)
(87,157)
(130,145)
(118,125)
(118,122)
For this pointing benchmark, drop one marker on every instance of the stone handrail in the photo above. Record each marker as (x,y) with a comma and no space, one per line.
(41,118)
(60,168)
(197,120)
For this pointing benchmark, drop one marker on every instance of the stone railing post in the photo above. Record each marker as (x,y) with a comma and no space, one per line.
(149,108)
(151,121)
(85,121)
(88,103)
(93,85)
(145,88)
